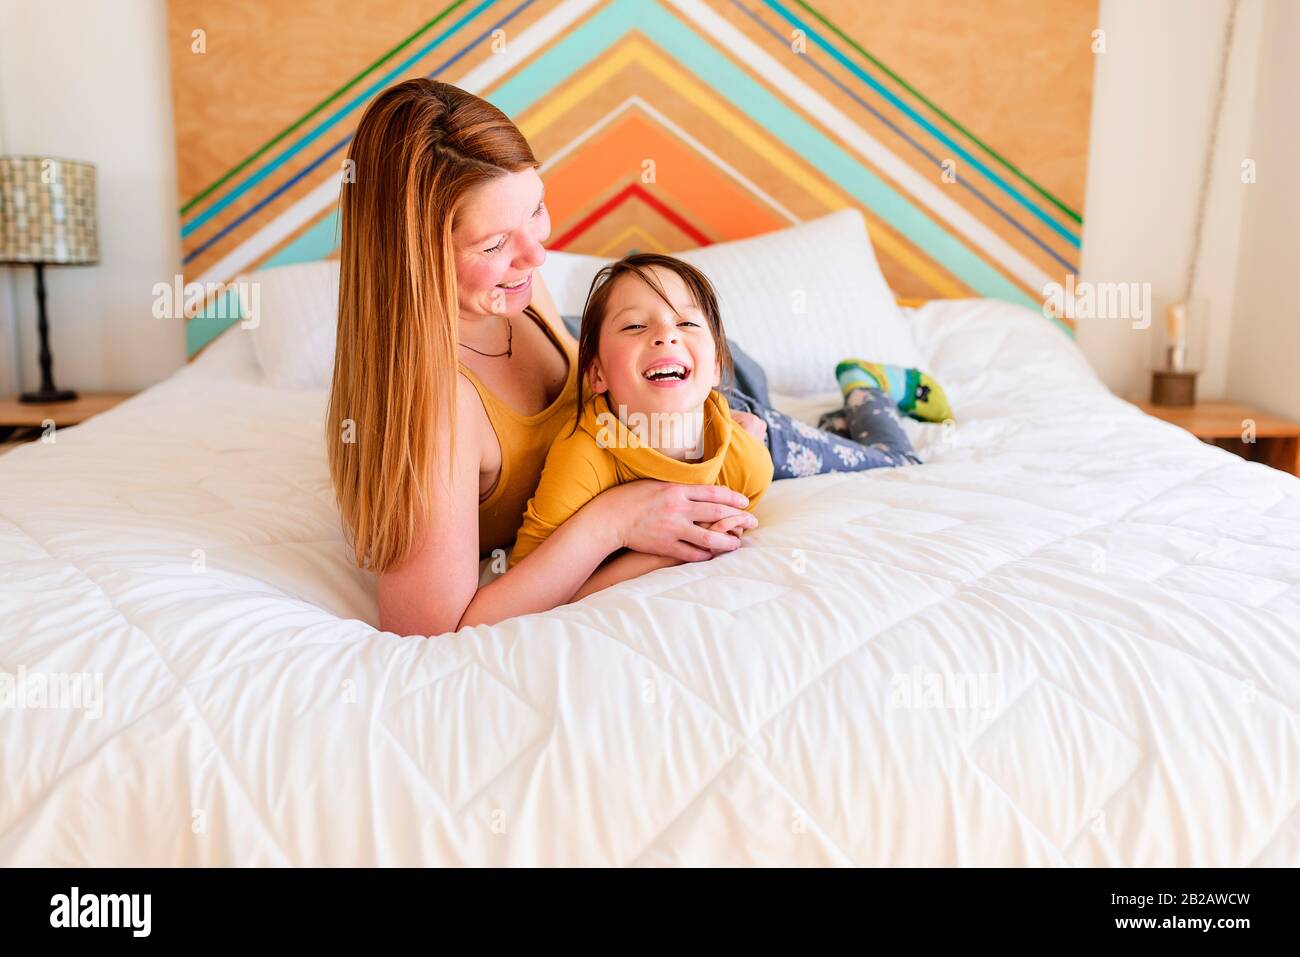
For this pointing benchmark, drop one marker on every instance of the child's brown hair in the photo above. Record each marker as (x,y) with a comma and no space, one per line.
(640,265)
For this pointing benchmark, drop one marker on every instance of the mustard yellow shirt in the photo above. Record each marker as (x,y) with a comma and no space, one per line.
(603,453)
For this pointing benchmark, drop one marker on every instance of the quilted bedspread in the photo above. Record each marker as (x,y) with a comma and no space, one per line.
(1072,637)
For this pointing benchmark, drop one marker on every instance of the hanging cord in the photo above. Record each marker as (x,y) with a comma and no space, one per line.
(1208,169)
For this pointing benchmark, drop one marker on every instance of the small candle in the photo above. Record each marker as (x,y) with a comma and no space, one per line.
(1176,322)
(1176,332)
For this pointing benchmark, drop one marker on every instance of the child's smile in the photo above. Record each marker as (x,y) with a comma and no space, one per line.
(667,373)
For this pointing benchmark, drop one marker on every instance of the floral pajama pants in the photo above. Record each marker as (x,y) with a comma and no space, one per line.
(865,434)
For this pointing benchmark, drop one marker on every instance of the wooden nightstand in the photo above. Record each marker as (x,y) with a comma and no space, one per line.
(1277,441)
(23,421)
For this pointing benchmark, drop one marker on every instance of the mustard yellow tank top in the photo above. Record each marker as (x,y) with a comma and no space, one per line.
(524,441)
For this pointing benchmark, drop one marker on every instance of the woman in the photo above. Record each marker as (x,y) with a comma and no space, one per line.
(453,373)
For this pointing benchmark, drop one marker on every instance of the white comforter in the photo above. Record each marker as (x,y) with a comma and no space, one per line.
(1072,637)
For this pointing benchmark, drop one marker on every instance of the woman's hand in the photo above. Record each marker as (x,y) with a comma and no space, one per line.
(661,518)
(751,423)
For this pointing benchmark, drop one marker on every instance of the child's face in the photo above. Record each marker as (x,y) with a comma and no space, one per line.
(651,358)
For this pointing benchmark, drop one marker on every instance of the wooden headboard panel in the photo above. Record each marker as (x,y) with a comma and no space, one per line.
(960,129)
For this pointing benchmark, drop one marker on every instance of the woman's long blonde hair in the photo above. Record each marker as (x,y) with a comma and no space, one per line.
(418,150)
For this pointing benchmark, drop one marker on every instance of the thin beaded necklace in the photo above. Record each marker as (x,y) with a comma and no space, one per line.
(510,338)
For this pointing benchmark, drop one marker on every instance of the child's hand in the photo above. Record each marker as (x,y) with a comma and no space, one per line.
(751,423)
(730,525)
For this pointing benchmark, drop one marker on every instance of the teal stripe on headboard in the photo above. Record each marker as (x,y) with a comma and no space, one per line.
(318,242)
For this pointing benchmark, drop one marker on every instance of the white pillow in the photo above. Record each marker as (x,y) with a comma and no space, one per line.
(568,278)
(801,299)
(296,322)
(798,300)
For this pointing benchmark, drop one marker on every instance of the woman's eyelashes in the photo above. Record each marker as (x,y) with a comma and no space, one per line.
(501,245)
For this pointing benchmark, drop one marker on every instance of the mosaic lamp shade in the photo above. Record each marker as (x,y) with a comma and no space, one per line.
(47,217)
(47,211)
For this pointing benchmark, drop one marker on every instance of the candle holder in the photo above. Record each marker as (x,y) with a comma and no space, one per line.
(1178,353)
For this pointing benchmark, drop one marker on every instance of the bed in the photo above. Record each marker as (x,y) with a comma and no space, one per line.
(1072,637)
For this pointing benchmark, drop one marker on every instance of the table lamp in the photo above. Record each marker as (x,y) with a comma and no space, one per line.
(47,218)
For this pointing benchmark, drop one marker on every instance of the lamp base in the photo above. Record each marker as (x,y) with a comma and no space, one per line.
(42,396)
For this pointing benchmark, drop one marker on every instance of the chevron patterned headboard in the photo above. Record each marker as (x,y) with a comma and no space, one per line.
(960,129)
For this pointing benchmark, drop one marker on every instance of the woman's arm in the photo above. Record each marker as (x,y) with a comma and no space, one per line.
(623,568)
(635,564)
(440,579)
(751,424)
(429,591)
(662,520)
(435,590)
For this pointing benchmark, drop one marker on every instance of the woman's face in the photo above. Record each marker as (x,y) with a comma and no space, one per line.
(498,240)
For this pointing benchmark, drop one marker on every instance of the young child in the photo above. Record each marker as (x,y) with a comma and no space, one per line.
(651,352)
(651,355)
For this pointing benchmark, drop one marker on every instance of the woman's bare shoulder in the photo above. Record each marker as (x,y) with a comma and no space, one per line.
(471,416)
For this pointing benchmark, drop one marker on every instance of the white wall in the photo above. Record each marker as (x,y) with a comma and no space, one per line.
(8,332)
(1153,99)
(1264,365)
(89,80)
